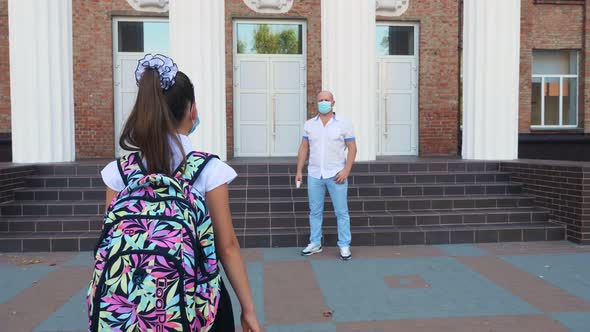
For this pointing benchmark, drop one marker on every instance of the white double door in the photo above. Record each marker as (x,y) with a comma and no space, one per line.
(269,104)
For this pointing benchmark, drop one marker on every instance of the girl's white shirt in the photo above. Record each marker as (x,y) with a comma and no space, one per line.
(215,173)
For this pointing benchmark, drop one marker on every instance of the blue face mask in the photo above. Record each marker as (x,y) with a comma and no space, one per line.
(195,125)
(324,107)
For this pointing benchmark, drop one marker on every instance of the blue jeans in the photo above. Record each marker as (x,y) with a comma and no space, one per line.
(316,189)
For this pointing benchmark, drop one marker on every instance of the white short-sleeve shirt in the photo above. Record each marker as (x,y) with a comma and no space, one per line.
(327,145)
(215,173)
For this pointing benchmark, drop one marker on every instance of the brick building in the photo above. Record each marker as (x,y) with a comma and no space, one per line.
(415,66)
(494,82)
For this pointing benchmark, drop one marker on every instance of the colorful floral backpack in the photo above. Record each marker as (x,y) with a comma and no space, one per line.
(156,267)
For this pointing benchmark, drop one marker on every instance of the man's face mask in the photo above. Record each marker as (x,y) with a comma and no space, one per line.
(324,107)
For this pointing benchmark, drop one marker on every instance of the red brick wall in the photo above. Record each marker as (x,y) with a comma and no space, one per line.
(305,10)
(93,76)
(545,27)
(4,69)
(93,81)
(439,74)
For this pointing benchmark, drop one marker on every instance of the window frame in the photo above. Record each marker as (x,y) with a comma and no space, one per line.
(238,21)
(416,36)
(559,2)
(561,78)
(140,19)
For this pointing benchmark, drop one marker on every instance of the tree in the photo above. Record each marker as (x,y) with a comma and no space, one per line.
(265,42)
(288,42)
(241,47)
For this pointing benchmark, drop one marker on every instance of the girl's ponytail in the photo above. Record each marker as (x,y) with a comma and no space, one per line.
(151,125)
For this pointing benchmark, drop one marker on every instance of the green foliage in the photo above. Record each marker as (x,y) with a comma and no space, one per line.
(267,42)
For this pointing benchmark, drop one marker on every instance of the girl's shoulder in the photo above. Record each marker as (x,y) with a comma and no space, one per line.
(216,166)
(214,174)
(112,177)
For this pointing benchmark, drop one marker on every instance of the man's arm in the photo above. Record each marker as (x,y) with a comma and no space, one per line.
(342,176)
(301,158)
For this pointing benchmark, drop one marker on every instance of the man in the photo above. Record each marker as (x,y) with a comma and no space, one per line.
(327,137)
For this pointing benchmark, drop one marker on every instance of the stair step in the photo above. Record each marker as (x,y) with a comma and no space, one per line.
(293,220)
(388,178)
(50,224)
(49,242)
(368,190)
(290,166)
(63,194)
(377,219)
(384,190)
(380,236)
(282,204)
(52,208)
(422,165)
(95,181)
(366,204)
(361,236)
(64,181)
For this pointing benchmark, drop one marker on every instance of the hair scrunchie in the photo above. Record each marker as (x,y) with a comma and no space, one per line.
(165,66)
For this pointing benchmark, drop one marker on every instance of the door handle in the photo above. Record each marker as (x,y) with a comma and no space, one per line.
(386,118)
(274,115)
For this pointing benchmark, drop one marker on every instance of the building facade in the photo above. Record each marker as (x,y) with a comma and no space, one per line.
(395,67)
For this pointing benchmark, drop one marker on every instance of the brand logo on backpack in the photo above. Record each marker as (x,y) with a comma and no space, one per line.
(161,285)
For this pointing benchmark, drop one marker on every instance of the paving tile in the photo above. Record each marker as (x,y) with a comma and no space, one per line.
(516,323)
(305,303)
(16,279)
(533,248)
(575,321)
(467,250)
(455,290)
(318,327)
(406,282)
(37,303)
(73,315)
(569,272)
(529,286)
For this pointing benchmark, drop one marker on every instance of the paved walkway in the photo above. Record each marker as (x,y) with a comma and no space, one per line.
(541,287)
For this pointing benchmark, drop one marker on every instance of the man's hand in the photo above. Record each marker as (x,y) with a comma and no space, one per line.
(299,177)
(342,176)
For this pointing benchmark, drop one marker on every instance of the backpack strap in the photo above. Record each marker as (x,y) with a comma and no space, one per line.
(195,163)
(131,167)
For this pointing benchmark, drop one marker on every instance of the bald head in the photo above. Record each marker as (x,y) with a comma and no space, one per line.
(325,96)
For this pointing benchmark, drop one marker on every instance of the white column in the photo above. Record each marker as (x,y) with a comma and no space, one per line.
(491,57)
(197,45)
(41,80)
(348,66)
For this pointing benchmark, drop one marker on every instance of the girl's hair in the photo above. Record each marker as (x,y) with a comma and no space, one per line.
(155,118)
